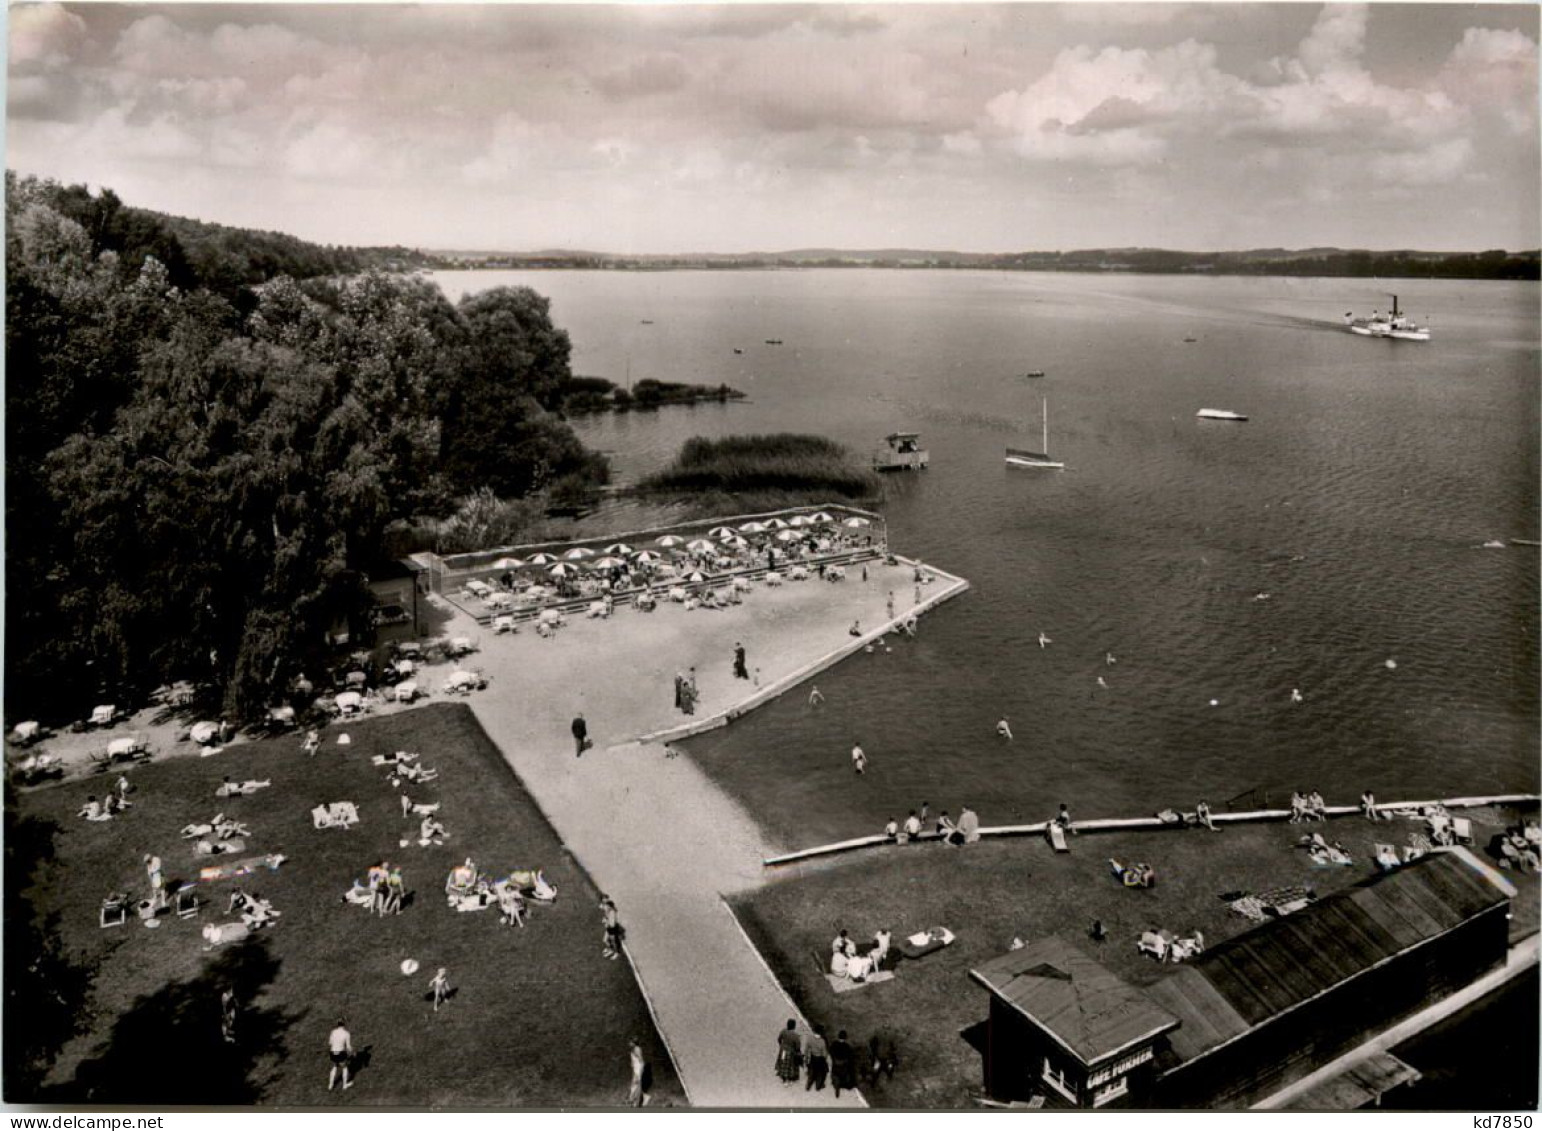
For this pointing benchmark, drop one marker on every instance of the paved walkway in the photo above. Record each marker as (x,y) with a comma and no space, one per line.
(655,833)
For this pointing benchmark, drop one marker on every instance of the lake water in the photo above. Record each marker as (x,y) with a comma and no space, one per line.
(1357,498)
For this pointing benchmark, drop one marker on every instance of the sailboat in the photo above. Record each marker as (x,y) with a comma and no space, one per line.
(1024,457)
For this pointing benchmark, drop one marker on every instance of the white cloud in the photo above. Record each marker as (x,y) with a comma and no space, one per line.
(44,36)
(1435,165)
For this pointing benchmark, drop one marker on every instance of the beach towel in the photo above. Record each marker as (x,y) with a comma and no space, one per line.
(241,867)
(846,985)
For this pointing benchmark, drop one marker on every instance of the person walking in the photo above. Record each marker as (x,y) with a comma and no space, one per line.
(440,985)
(614,931)
(637,1094)
(817,1056)
(858,759)
(679,691)
(843,1064)
(740,671)
(340,1049)
(891,604)
(580,735)
(789,1053)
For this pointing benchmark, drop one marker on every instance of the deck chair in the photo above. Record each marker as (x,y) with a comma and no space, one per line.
(187,904)
(1056,836)
(114,911)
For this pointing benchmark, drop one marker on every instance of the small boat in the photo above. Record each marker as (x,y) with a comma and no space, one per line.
(1218,414)
(903,452)
(1035,373)
(1191,339)
(647,322)
(773,341)
(1395,325)
(1027,457)
(737,350)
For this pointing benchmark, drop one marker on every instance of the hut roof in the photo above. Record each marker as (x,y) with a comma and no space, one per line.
(1083,1006)
(1256,976)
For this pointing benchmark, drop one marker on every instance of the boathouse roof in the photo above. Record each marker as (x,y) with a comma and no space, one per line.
(1265,972)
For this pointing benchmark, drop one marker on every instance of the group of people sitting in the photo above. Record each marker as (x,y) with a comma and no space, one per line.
(1520,847)
(1165,946)
(337,815)
(847,962)
(104,810)
(404,767)
(1310,807)
(219,827)
(383,891)
(468,889)
(966,830)
(255,911)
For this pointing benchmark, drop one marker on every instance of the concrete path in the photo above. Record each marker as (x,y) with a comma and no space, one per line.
(655,833)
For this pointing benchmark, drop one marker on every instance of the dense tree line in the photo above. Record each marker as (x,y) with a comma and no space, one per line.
(197,481)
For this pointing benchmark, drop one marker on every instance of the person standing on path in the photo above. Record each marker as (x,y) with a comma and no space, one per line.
(740,671)
(340,1048)
(637,1094)
(891,604)
(858,759)
(843,1064)
(817,1055)
(580,735)
(789,1053)
(679,691)
(440,985)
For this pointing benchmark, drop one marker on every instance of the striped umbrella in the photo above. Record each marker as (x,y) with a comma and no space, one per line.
(823,517)
(563,569)
(787,536)
(618,548)
(507,563)
(801,520)
(670,540)
(578,554)
(856,522)
(752,528)
(721,532)
(775,524)
(607,562)
(541,559)
(645,556)
(701,546)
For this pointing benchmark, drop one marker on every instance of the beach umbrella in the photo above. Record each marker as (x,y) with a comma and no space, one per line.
(507,563)
(752,528)
(562,569)
(801,520)
(856,522)
(645,556)
(701,546)
(697,576)
(578,554)
(721,532)
(607,562)
(541,559)
(775,524)
(670,540)
(737,543)
(823,517)
(787,535)
(618,548)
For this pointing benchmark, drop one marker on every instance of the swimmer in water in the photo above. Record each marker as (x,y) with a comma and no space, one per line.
(1295,695)
(815,698)
(1044,640)
(1003,729)
(1108,658)
(1102,683)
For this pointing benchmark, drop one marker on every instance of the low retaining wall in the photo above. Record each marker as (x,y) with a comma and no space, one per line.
(1120,824)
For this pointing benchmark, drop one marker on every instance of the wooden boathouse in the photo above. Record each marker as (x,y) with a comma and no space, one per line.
(1255,1013)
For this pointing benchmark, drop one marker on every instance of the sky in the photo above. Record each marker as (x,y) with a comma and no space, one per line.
(661,128)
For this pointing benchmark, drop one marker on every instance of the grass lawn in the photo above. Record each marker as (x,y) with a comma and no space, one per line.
(992,891)
(538,1019)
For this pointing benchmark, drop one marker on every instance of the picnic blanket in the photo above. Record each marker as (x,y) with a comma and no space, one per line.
(240,867)
(922,943)
(845,985)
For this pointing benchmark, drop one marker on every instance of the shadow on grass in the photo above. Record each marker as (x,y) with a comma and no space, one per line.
(168,1048)
(44,992)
